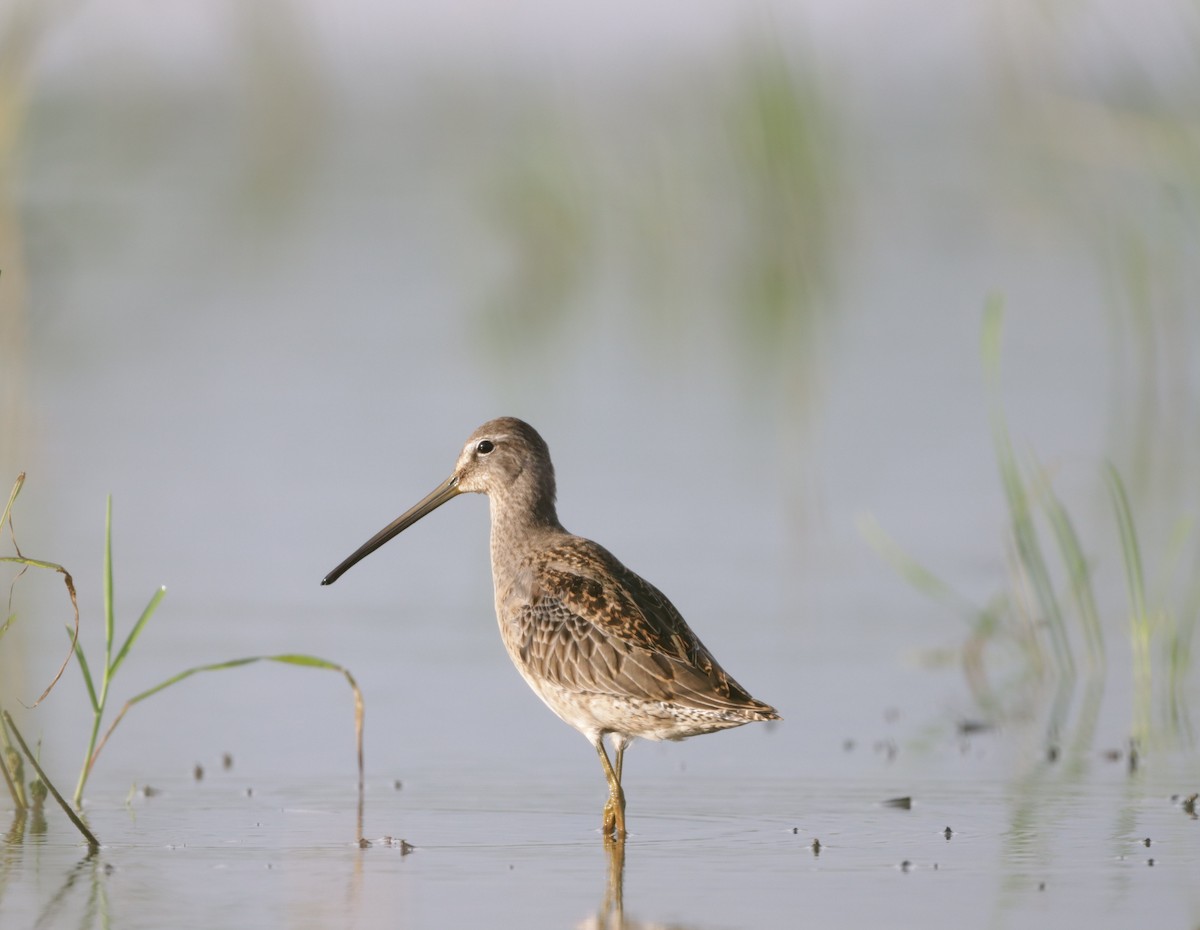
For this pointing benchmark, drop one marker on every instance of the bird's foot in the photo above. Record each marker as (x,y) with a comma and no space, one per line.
(613,824)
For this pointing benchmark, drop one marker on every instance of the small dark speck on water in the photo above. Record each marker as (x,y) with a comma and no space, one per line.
(967,727)
(891,714)
(1111,755)
(848,745)
(227,760)
(150,792)
(795,830)
(904,803)
(1041,886)
(905,866)
(1146,841)
(108,868)
(1150,862)
(1052,754)
(816,846)
(397,784)
(1133,757)
(249,792)
(947,833)
(198,772)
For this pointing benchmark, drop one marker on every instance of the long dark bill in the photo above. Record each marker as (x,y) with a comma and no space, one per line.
(431,502)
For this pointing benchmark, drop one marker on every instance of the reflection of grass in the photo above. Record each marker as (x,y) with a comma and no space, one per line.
(1050,605)
(112,662)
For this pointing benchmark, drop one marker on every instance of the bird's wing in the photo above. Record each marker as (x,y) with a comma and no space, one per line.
(589,624)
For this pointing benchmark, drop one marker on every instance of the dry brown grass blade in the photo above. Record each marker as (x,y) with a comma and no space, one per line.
(37,563)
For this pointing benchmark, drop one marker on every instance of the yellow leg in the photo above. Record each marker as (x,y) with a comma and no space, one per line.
(613,824)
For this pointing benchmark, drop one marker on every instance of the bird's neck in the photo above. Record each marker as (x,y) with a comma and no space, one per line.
(519,525)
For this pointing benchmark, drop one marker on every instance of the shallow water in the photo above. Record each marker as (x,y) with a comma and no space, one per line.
(501,805)
(705,851)
(264,367)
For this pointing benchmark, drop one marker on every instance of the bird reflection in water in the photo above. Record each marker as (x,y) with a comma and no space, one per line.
(611,915)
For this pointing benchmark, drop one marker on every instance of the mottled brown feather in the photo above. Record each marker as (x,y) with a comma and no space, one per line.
(587,623)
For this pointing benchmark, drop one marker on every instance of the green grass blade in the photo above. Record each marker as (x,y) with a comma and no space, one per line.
(1029,550)
(910,569)
(1129,544)
(297,659)
(12,496)
(33,563)
(79,824)
(137,630)
(109,619)
(1078,570)
(83,667)
(1139,619)
(7,623)
(991,337)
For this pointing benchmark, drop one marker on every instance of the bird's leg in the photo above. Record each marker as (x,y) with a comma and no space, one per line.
(613,824)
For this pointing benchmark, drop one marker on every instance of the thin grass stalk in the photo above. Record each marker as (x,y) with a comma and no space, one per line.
(70,583)
(912,571)
(62,802)
(1139,618)
(99,700)
(286,658)
(15,788)
(12,496)
(1025,536)
(1078,571)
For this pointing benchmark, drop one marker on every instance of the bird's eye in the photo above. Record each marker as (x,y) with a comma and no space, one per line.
(485,446)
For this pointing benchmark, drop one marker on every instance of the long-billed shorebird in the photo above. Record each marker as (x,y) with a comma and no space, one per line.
(602,647)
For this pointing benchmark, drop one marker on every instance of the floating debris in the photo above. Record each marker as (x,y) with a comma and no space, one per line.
(968,727)
(947,833)
(198,772)
(904,803)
